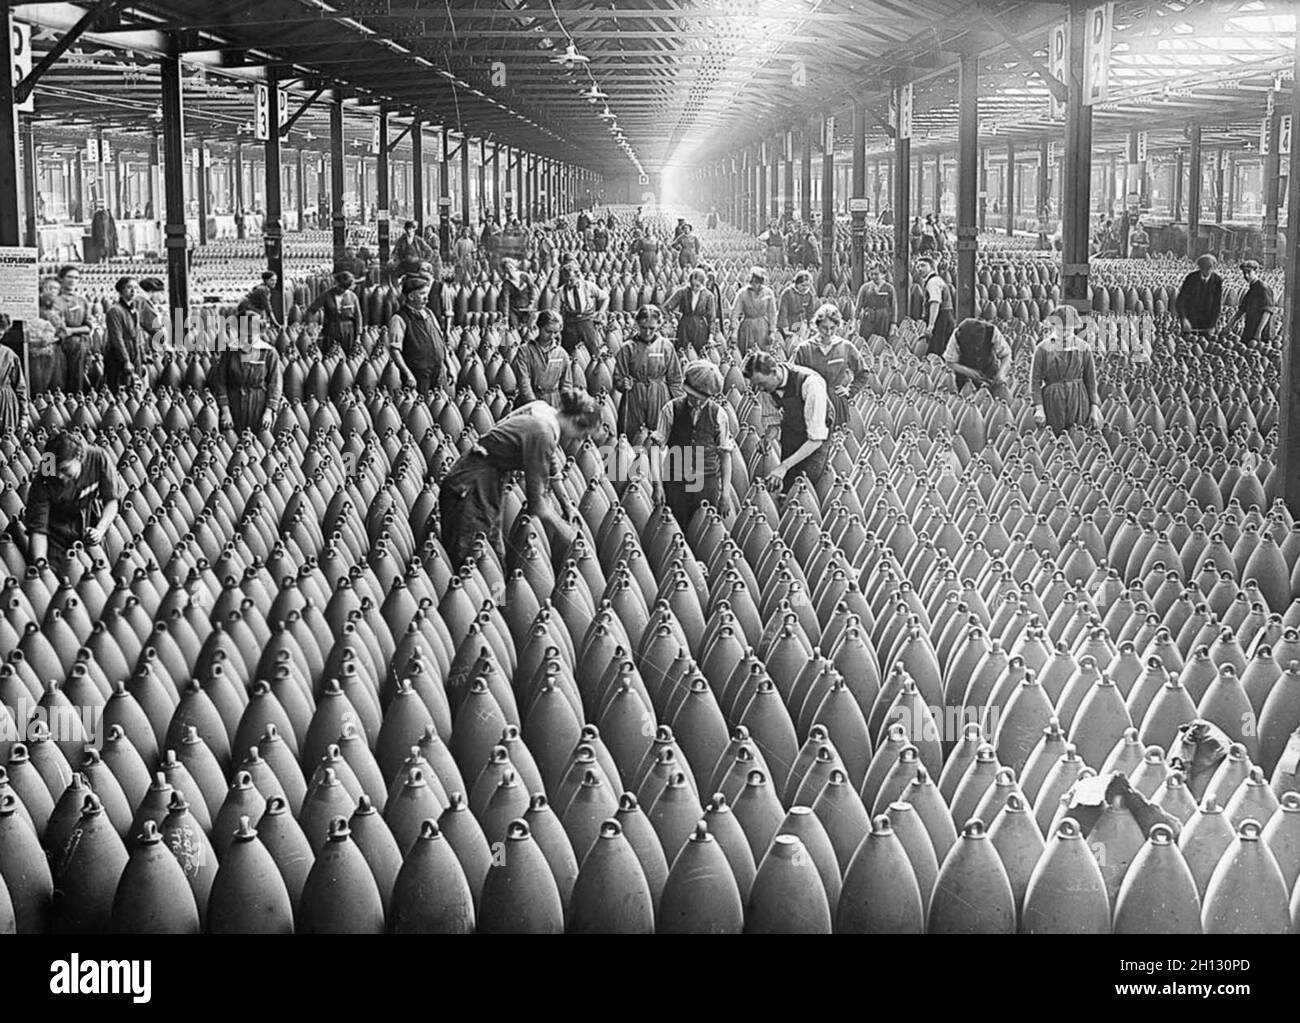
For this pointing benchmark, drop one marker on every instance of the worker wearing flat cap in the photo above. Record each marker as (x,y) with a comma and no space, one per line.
(415,339)
(1256,306)
(691,446)
(342,311)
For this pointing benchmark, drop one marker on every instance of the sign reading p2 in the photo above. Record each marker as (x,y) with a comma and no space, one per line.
(21,44)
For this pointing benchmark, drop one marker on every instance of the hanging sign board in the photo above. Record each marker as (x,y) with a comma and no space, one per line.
(284,106)
(859,205)
(105,153)
(445,202)
(22,50)
(374,142)
(261,112)
(1058,63)
(1051,152)
(1284,137)
(900,111)
(1142,147)
(92,150)
(1096,54)
(19,285)
(1264,137)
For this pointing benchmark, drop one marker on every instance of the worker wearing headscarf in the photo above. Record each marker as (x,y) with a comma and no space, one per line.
(648,374)
(977,352)
(1063,377)
(692,445)
(834,359)
(753,314)
(247,378)
(697,312)
(543,369)
(798,304)
(342,313)
(415,339)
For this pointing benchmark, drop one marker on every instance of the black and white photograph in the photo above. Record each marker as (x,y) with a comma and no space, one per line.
(653,467)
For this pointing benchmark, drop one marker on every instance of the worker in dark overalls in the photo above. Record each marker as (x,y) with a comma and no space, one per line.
(73,498)
(806,416)
(978,353)
(531,440)
(415,339)
(342,312)
(542,367)
(692,445)
(122,354)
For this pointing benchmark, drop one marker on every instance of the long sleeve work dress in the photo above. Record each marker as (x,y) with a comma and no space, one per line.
(649,375)
(1064,382)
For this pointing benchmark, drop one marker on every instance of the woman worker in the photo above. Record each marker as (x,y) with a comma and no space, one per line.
(875,306)
(978,352)
(532,440)
(247,377)
(648,374)
(1063,377)
(73,498)
(697,311)
(834,359)
(342,312)
(543,369)
(753,314)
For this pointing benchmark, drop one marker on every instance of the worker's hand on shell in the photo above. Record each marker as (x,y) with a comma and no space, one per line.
(267,419)
(225,420)
(1040,417)
(1095,416)
(93,537)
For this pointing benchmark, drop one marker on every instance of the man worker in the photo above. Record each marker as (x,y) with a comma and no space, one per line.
(74,498)
(978,352)
(415,339)
(410,252)
(1255,307)
(938,306)
(582,304)
(800,395)
(691,446)
(1200,299)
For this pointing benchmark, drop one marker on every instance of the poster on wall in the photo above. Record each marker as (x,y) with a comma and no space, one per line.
(1096,55)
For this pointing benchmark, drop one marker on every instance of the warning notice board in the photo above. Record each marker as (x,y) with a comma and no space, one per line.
(18,283)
